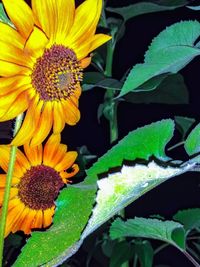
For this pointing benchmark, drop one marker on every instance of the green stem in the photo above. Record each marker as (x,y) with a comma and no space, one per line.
(135,261)
(191,259)
(111,93)
(176,145)
(4,209)
(109,59)
(156,251)
(114,125)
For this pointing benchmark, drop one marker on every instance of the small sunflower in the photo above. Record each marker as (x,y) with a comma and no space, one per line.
(38,176)
(41,63)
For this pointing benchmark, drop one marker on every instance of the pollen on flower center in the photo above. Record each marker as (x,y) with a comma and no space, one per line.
(57,73)
(39,187)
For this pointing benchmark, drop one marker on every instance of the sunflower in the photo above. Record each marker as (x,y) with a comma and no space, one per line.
(42,58)
(38,176)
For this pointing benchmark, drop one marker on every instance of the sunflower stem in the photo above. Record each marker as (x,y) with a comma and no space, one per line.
(111,93)
(4,209)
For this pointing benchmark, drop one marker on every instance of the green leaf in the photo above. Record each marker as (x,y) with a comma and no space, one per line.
(172,90)
(169,52)
(167,231)
(121,253)
(108,245)
(92,77)
(145,252)
(117,29)
(141,8)
(192,144)
(98,61)
(75,203)
(152,84)
(190,218)
(183,124)
(97,79)
(3,16)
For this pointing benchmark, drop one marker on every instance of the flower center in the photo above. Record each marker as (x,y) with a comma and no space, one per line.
(57,73)
(39,187)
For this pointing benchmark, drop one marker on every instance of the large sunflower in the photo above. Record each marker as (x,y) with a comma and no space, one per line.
(41,62)
(38,176)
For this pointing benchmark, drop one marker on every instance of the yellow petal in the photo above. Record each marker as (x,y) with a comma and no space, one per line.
(11,36)
(48,217)
(55,16)
(71,112)
(4,161)
(15,55)
(90,45)
(13,203)
(36,43)
(44,125)
(34,154)
(17,226)
(58,118)
(21,15)
(10,69)
(86,18)
(58,155)
(9,84)
(15,180)
(67,175)
(50,148)
(13,215)
(29,124)
(22,160)
(85,62)
(7,100)
(19,106)
(28,220)
(67,161)
(13,193)
(38,220)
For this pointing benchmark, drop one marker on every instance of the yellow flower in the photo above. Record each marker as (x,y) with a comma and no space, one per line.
(41,63)
(38,176)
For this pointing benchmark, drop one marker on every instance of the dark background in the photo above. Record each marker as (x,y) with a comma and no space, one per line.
(180,192)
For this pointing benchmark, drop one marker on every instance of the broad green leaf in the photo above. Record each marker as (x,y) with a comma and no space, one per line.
(75,203)
(145,252)
(169,52)
(98,61)
(107,83)
(192,144)
(190,218)
(167,231)
(121,253)
(73,208)
(183,124)
(152,84)
(171,90)
(121,188)
(145,7)
(3,16)
(92,77)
